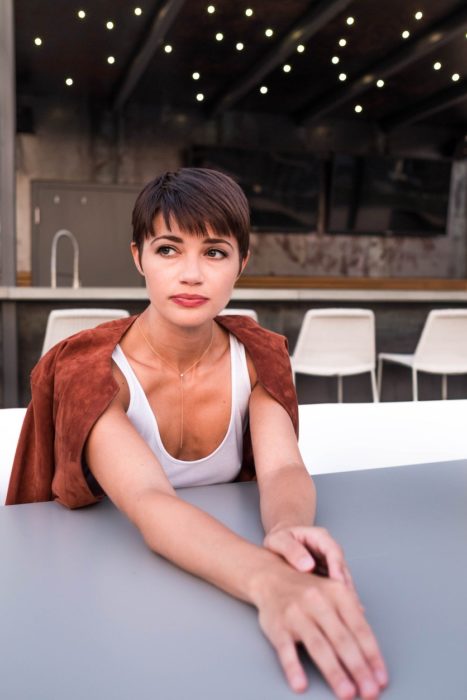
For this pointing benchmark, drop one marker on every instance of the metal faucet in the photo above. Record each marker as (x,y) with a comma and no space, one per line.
(53,258)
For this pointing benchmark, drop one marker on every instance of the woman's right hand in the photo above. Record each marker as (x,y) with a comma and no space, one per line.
(327,618)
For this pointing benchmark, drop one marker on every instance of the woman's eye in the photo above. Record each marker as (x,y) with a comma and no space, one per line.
(165,250)
(216,253)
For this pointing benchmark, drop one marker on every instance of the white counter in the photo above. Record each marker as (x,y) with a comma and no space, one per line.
(246,294)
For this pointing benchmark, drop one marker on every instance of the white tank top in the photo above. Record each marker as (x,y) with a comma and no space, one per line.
(225,462)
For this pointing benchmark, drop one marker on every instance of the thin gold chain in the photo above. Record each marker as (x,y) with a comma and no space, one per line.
(180,374)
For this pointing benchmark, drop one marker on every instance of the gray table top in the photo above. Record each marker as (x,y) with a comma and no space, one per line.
(87,611)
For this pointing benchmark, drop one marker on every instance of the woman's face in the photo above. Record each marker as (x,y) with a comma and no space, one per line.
(189,278)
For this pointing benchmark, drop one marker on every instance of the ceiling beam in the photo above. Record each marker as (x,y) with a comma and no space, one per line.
(306,27)
(426,108)
(437,35)
(160,25)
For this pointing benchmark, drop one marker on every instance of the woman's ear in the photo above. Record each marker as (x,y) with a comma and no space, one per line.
(243,264)
(136,257)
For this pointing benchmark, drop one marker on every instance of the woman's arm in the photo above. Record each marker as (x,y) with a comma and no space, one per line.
(287,493)
(292,606)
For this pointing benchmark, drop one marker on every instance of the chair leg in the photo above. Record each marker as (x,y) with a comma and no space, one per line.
(340,389)
(374,387)
(380,375)
(444,387)
(414,385)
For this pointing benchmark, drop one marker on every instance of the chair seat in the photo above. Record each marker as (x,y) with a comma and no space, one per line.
(451,367)
(337,370)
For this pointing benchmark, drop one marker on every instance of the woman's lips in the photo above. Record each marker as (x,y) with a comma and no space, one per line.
(189,300)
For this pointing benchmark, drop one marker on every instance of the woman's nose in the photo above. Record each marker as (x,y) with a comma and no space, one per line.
(191,271)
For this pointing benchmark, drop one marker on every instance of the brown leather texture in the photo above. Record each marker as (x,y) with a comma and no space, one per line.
(72,385)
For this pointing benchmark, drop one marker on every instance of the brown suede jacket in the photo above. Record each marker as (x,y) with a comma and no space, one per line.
(73,384)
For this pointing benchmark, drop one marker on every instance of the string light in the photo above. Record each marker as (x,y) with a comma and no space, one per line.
(380,83)
(196,76)
(342,42)
(38,41)
(138,11)
(110,25)
(81,14)
(239,46)
(286,68)
(335,60)
(263,89)
(405,34)
(110,59)
(168,48)
(219,36)
(342,76)
(418,15)
(300,48)
(200,97)
(437,65)
(249,12)
(211,9)
(269,32)
(358,108)
(69,82)
(350,21)
(455,77)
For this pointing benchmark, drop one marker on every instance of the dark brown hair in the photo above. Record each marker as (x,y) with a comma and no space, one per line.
(196,198)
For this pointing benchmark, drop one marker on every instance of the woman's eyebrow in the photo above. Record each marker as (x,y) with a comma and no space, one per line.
(174,239)
(210,241)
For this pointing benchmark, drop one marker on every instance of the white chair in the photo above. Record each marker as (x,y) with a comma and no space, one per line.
(337,343)
(11,420)
(64,322)
(442,349)
(240,312)
(352,436)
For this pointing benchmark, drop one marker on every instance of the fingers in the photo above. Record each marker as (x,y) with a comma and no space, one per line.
(324,656)
(355,621)
(293,669)
(321,543)
(292,550)
(342,651)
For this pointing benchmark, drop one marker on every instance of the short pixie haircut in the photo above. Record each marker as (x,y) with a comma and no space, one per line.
(196,199)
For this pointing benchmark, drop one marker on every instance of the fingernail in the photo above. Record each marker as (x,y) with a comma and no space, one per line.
(369,688)
(381,676)
(298,683)
(305,563)
(346,690)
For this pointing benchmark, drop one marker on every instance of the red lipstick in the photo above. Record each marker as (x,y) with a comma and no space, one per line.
(189,300)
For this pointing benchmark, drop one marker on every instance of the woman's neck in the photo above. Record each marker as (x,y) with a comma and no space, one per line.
(179,347)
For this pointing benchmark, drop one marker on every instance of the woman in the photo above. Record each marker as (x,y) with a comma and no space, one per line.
(180,397)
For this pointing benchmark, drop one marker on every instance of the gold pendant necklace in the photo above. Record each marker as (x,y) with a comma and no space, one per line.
(181,375)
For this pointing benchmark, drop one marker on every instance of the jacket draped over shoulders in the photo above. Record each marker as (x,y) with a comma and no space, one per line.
(73,384)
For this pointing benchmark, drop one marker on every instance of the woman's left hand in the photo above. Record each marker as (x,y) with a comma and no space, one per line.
(310,549)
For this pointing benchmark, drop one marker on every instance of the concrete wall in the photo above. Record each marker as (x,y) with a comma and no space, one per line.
(74,142)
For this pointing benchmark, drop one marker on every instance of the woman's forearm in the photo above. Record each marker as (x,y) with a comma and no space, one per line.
(287,498)
(200,544)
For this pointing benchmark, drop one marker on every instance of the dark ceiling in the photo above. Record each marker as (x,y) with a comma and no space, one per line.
(414,91)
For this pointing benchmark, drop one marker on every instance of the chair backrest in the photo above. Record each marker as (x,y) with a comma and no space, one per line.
(388,434)
(64,322)
(240,312)
(336,339)
(442,347)
(11,420)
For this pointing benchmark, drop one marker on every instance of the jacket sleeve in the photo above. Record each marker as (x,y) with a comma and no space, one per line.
(33,465)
